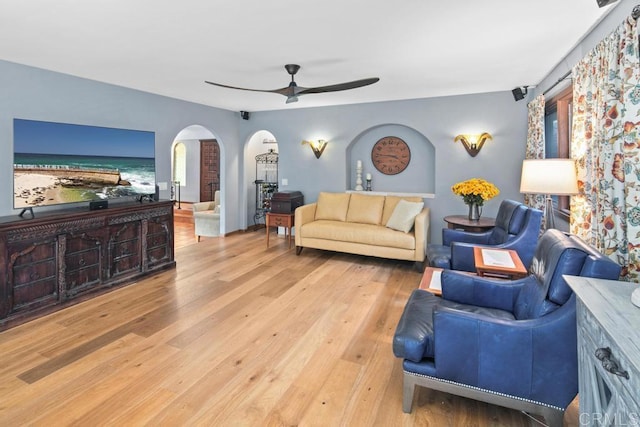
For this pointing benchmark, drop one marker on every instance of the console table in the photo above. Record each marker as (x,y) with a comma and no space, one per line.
(608,351)
(60,258)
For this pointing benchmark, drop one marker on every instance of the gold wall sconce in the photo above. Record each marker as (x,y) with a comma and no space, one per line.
(317,146)
(473,143)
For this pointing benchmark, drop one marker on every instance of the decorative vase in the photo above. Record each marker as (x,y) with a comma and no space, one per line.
(475,211)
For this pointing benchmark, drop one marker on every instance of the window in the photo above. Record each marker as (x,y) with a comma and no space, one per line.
(557,123)
(180,163)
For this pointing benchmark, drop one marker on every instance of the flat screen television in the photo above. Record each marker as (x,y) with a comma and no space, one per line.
(56,163)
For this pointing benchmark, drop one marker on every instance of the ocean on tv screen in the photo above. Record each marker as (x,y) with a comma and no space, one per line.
(49,179)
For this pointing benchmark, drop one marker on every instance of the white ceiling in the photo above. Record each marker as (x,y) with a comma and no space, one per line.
(418,48)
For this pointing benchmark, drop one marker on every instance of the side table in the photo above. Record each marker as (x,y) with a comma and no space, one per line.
(431,280)
(463,222)
(498,263)
(285,220)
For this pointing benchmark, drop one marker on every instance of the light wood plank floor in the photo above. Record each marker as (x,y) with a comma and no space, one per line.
(237,335)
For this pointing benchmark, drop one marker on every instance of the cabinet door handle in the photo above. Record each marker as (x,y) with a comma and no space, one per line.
(604,356)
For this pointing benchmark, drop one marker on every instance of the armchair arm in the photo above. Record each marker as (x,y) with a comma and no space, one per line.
(462,258)
(202,206)
(421,232)
(474,290)
(533,359)
(452,235)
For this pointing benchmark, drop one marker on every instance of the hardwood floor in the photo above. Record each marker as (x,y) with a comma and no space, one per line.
(237,335)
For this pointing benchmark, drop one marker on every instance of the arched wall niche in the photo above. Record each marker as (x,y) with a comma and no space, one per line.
(258,143)
(418,177)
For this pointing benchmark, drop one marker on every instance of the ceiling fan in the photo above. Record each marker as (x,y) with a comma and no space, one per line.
(293,90)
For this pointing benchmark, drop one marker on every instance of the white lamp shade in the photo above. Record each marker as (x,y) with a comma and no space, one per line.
(549,176)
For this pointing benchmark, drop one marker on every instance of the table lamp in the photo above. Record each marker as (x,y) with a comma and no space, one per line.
(555,177)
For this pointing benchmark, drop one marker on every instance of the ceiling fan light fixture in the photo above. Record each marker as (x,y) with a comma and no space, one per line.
(291,99)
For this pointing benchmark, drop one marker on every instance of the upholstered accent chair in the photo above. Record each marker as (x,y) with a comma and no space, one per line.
(509,343)
(206,217)
(517,228)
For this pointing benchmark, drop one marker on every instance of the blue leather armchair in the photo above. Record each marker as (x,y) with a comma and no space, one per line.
(510,343)
(517,227)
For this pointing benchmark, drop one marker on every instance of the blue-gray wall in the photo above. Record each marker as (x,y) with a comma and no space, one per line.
(427,125)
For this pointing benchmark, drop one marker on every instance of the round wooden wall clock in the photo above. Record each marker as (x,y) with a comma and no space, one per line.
(390,155)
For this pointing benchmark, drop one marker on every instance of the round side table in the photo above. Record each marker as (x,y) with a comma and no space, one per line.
(462,222)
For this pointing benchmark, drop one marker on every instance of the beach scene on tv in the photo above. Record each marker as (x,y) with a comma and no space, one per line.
(55,163)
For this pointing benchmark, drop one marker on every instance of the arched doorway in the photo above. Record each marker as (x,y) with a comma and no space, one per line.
(197,166)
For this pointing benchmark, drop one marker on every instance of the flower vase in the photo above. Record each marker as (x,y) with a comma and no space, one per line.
(475,211)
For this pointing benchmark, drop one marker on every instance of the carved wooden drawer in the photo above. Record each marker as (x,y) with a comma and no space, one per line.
(125,257)
(84,259)
(124,248)
(159,247)
(83,271)
(27,254)
(33,275)
(79,280)
(34,284)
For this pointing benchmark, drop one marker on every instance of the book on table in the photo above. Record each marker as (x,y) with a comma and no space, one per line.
(497,258)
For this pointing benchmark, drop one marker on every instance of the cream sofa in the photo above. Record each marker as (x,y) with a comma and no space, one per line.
(357,223)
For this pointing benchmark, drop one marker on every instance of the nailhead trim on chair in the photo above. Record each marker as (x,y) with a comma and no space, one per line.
(484,390)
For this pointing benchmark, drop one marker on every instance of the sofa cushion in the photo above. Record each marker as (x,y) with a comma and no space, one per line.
(404,215)
(352,232)
(365,209)
(390,203)
(332,206)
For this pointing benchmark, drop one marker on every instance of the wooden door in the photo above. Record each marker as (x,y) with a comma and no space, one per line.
(209,169)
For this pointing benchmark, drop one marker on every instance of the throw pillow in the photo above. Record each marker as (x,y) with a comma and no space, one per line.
(390,204)
(404,215)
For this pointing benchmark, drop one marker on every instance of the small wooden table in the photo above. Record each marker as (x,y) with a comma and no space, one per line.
(463,222)
(498,263)
(285,220)
(431,280)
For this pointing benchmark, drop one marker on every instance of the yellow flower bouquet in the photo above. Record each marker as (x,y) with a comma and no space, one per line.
(475,191)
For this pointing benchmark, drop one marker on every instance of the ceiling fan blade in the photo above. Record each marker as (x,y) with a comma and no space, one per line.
(282,91)
(340,86)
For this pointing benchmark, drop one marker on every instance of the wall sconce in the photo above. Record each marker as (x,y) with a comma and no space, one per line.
(473,143)
(317,146)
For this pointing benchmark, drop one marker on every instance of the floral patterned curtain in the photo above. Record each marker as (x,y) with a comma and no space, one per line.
(606,146)
(535,146)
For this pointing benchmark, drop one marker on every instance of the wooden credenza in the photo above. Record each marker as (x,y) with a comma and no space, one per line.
(608,352)
(60,258)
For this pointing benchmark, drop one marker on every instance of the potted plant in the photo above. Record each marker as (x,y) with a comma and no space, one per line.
(474,193)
